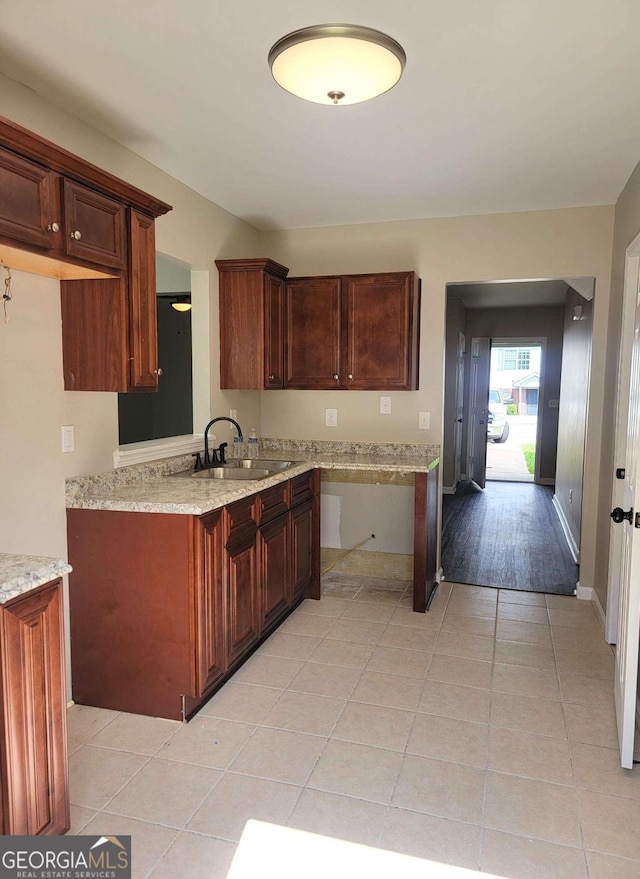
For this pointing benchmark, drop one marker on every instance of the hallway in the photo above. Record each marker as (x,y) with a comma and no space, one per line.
(507,535)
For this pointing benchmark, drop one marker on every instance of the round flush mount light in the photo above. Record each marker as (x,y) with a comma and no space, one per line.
(337,63)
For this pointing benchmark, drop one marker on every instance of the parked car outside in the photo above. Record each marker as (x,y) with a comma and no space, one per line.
(497,424)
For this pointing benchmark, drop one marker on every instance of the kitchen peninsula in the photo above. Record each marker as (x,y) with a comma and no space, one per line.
(177,581)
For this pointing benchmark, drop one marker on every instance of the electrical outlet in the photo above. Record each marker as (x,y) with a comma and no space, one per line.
(331,417)
(385,405)
(424,420)
(233,413)
(68,438)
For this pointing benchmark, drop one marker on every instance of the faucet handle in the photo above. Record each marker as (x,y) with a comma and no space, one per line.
(221,449)
(198,465)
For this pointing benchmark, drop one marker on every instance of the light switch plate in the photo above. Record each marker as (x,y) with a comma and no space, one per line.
(233,413)
(331,417)
(424,420)
(68,438)
(385,405)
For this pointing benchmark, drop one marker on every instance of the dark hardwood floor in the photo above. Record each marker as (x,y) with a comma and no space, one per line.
(507,536)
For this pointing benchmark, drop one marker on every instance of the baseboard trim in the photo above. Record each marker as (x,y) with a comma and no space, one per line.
(448,489)
(584,593)
(600,613)
(571,543)
(439,575)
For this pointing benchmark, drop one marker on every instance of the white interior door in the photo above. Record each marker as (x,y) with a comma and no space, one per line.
(459,407)
(478,410)
(628,519)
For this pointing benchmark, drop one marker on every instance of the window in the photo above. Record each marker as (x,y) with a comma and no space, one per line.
(514,358)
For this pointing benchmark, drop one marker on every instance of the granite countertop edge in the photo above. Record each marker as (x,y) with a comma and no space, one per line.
(153,488)
(20,574)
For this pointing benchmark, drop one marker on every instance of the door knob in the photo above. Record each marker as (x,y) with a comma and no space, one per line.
(618,515)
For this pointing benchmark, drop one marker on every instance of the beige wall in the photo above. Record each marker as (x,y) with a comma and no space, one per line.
(33,404)
(541,244)
(626,227)
(574,402)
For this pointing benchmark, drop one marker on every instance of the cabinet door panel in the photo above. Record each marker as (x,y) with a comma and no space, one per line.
(143,309)
(312,348)
(242,612)
(302,555)
(381,320)
(33,711)
(27,198)
(210,647)
(100,223)
(95,358)
(274,332)
(274,569)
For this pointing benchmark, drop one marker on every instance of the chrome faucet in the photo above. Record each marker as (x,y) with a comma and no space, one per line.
(209,460)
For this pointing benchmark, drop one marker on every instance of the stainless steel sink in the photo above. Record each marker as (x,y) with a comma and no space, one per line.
(259,463)
(229,473)
(238,468)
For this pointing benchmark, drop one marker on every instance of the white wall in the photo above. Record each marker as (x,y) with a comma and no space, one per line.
(574,242)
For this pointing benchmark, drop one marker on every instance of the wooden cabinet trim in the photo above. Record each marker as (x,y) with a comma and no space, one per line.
(18,139)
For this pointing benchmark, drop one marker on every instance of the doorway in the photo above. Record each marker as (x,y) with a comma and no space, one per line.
(522,327)
(516,367)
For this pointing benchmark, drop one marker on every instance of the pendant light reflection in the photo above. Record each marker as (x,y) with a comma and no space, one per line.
(337,63)
(182,303)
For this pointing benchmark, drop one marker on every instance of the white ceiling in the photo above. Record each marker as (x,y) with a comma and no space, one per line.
(505,105)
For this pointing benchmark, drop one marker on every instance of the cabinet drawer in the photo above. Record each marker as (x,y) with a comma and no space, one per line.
(302,488)
(272,502)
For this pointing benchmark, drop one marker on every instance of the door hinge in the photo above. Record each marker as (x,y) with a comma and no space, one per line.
(636,522)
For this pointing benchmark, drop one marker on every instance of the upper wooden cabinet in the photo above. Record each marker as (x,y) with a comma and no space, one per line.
(354,332)
(64,218)
(251,323)
(27,202)
(349,332)
(94,226)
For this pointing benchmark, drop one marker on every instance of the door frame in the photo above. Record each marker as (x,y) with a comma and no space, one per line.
(631,272)
(522,342)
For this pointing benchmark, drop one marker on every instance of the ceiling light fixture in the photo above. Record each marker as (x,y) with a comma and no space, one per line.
(182,303)
(337,63)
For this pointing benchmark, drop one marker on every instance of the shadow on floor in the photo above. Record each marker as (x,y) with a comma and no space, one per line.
(508,536)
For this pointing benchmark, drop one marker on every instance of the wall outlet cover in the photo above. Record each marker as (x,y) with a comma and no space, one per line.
(424,420)
(331,417)
(385,405)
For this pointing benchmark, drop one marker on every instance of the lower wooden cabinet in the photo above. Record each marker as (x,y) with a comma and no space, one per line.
(34,795)
(165,607)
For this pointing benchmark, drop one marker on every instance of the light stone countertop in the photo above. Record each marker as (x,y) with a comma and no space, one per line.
(22,573)
(151,488)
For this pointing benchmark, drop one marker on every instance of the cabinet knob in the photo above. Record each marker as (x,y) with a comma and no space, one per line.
(157,371)
(53,227)
(272,378)
(337,377)
(76,235)
(350,376)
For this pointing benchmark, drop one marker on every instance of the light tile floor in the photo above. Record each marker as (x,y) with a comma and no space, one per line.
(481,734)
